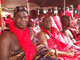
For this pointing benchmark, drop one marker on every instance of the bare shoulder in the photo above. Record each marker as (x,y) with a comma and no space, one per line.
(41,34)
(5,44)
(42,38)
(5,36)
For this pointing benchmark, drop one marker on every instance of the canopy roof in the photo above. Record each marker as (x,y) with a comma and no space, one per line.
(38,3)
(46,3)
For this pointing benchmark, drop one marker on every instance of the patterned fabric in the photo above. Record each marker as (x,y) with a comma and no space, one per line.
(17,55)
(42,53)
(33,36)
(35,40)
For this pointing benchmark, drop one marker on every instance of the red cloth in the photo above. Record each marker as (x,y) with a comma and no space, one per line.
(76,36)
(77,16)
(23,36)
(1,1)
(58,22)
(8,21)
(78,6)
(61,42)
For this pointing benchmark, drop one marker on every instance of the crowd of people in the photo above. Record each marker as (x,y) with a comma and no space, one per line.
(51,37)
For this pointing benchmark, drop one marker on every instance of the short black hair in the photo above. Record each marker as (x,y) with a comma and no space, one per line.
(20,8)
(65,18)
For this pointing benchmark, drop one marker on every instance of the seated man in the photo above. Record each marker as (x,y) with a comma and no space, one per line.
(65,20)
(77,35)
(11,42)
(53,39)
(67,31)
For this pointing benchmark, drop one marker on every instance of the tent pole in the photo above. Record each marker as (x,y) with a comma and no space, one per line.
(1,20)
(72,10)
(64,6)
(28,8)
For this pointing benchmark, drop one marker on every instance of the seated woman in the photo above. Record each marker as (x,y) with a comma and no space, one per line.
(53,39)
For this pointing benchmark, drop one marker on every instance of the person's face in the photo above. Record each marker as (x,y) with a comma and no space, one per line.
(21,19)
(66,23)
(47,23)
